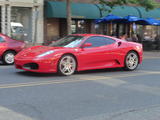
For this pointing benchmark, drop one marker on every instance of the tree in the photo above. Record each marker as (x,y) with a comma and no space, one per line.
(148,4)
(69,16)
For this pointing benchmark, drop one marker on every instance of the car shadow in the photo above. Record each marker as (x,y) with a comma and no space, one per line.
(90,72)
(107,70)
(2,64)
(34,74)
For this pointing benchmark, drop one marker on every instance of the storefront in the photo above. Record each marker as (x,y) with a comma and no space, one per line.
(22,20)
(83,21)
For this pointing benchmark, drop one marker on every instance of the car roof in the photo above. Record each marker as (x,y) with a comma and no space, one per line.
(100,35)
(88,35)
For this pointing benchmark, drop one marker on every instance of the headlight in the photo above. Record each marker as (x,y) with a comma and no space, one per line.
(46,53)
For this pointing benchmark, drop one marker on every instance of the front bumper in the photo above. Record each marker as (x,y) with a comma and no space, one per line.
(33,65)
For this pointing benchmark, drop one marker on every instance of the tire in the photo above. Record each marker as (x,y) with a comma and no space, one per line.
(8,57)
(67,65)
(131,61)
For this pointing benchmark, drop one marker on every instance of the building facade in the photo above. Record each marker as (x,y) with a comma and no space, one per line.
(84,13)
(22,19)
(82,18)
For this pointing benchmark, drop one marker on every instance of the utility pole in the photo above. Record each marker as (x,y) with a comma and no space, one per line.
(69,16)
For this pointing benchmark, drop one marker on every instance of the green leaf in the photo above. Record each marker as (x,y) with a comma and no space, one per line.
(147,4)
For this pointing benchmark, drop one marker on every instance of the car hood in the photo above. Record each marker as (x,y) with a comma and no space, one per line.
(36,50)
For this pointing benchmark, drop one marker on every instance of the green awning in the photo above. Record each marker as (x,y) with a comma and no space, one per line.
(54,9)
(79,10)
(134,11)
(122,11)
(155,13)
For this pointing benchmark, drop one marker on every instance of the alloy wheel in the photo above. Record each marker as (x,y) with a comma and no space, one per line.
(8,58)
(131,61)
(67,65)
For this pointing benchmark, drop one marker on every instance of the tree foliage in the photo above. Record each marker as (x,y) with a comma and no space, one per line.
(148,4)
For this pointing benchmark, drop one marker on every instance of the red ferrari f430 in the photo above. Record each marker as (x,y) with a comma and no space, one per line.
(80,52)
(9,48)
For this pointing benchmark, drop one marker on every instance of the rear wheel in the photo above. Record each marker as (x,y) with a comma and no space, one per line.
(8,57)
(67,65)
(131,61)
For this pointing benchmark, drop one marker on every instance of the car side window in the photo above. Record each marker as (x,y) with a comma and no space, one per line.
(109,40)
(99,41)
(96,41)
(1,40)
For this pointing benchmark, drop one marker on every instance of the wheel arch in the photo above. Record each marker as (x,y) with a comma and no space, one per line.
(135,52)
(71,55)
(10,50)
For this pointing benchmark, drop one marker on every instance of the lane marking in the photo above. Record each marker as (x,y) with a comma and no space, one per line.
(152,72)
(36,84)
(86,78)
(151,57)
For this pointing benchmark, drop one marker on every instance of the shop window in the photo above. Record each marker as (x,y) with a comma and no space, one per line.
(73,26)
(150,36)
(52,29)
(21,23)
(101,28)
(150,32)
(80,26)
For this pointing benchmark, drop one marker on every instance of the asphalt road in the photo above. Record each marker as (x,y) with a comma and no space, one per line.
(110,94)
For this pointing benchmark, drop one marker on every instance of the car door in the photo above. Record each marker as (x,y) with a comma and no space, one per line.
(98,55)
(3,45)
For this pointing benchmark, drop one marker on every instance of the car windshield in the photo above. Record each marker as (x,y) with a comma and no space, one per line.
(68,41)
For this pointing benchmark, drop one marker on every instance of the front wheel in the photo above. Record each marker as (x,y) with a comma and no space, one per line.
(8,57)
(131,61)
(67,65)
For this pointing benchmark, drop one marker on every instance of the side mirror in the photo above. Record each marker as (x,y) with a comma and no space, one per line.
(119,44)
(86,45)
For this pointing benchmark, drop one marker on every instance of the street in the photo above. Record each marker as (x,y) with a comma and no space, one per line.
(109,94)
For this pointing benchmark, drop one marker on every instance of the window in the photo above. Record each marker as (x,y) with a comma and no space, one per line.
(21,23)
(68,41)
(1,40)
(109,41)
(99,41)
(80,26)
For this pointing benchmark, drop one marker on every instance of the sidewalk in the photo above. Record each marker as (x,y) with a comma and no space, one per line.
(150,113)
(151,54)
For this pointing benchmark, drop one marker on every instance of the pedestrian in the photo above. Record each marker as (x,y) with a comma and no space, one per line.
(139,38)
(134,38)
(123,36)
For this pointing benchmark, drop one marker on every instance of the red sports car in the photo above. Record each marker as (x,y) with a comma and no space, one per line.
(80,52)
(9,48)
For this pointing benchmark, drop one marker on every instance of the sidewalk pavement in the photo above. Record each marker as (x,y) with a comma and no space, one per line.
(150,113)
(151,54)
